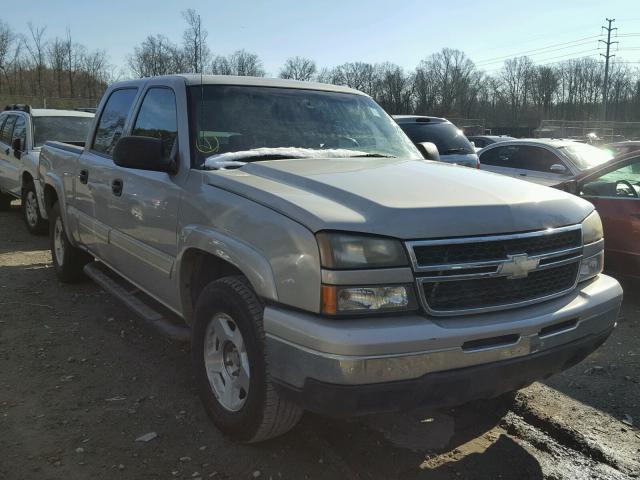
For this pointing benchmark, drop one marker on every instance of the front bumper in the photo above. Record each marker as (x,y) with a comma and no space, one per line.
(344,367)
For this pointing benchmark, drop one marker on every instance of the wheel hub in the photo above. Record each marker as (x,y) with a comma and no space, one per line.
(226,362)
(58,241)
(31,208)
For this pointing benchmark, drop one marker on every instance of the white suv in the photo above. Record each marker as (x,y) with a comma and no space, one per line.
(23,131)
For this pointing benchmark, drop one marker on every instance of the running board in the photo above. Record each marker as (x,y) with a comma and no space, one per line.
(130,296)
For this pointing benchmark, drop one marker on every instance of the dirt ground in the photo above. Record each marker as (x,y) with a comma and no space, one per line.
(81,378)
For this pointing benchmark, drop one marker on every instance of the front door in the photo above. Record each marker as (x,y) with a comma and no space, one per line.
(616,196)
(9,170)
(143,204)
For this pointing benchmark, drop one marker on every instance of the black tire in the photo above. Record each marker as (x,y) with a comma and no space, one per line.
(264,414)
(69,264)
(31,211)
(5,202)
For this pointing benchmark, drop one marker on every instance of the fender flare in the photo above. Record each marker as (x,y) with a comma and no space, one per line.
(244,257)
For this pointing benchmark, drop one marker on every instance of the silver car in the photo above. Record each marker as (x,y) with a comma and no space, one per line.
(544,161)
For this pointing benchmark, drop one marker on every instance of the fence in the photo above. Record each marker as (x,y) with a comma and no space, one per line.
(49,102)
(607,131)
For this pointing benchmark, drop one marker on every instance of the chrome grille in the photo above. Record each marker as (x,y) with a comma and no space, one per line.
(477,274)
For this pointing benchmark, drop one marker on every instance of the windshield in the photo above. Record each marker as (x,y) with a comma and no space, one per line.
(586,156)
(247,118)
(60,129)
(447,137)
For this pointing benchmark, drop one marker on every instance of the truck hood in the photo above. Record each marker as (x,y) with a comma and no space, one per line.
(407,199)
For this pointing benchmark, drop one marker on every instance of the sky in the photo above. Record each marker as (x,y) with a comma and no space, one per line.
(333,32)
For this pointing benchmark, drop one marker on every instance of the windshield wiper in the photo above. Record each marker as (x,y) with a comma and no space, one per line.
(376,155)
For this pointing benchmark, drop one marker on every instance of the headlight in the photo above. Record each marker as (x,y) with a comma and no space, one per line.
(345,251)
(592,228)
(338,300)
(592,266)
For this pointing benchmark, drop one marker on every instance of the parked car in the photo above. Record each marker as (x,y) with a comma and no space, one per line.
(453,146)
(326,267)
(614,189)
(481,141)
(544,161)
(23,131)
(621,148)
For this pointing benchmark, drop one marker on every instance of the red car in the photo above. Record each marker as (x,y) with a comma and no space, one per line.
(614,189)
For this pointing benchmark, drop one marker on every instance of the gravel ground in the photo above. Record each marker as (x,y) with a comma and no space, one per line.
(82,378)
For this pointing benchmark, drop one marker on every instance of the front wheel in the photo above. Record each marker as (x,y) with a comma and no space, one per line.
(230,364)
(68,261)
(31,211)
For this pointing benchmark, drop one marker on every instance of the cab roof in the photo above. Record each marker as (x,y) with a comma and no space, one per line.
(52,112)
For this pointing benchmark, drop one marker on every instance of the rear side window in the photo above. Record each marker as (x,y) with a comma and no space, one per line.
(112,121)
(446,136)
(7,129)
(158,117)
(20,131)
(500,156)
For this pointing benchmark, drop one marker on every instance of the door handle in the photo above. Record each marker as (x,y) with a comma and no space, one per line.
(116,187)
(522,174)
(84,176)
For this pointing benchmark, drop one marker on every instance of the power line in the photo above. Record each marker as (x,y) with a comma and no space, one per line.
(539,49)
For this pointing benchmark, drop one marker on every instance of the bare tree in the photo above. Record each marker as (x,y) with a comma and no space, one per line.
(516,74)
(36,48)
(157,55)
(57,58)
(240,62)
(194,39)
(298,68)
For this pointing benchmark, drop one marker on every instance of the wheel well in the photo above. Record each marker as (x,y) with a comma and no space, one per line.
(26,178)
(197,269)
(50,197)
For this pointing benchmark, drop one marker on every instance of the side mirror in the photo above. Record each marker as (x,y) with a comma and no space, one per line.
(571,187)
(429,151)
(557,168)
(143,153)
(17,147)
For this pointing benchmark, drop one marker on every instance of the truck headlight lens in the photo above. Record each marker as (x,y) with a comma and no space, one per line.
(349,251)
(338,300)
(591,266)
(592,228)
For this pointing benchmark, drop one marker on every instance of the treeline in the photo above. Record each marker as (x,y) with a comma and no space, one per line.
(35,65)
(446,83)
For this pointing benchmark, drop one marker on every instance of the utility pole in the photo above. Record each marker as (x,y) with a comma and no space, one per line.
(607,56)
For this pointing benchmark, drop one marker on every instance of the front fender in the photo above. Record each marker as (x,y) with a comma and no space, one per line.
(251,263)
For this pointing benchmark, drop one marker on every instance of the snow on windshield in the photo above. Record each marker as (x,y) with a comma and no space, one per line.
(214,161)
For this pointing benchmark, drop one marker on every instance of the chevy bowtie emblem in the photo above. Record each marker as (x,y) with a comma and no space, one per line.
(518,266)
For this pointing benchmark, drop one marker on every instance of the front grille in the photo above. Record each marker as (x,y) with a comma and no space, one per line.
(440,254)
(470,275)
(491,292)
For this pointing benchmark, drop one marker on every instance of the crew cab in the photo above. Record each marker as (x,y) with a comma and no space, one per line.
(23,131)
(314,259)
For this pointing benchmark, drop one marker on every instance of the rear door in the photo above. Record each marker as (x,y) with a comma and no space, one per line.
(143,204)
(93,188)
(502,159)
(9,172)
(616,196)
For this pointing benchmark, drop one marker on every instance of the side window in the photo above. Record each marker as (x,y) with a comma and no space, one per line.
(500,156)
(158,117)
(114,116)
(538,159)
(623,182)
(7,129)
(20,131)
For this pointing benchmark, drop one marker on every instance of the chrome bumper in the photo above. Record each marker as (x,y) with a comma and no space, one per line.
(302,346)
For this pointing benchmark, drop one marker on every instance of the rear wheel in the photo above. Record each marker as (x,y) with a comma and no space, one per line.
(68,261)
(230,364)
(31,211)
